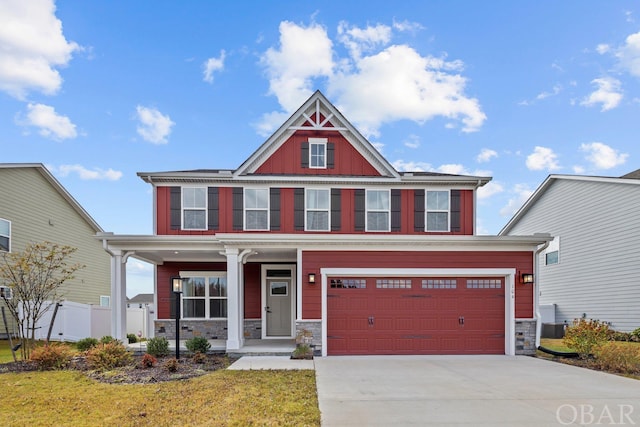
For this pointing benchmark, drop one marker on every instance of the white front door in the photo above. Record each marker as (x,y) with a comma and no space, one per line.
(278,292)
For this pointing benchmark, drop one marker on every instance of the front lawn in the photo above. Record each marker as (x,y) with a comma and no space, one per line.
(233,398)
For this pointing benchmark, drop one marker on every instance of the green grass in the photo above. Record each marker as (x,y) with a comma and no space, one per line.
(5,351)
(226,398)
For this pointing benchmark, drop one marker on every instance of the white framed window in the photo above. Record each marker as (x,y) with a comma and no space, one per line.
(378,210)
(256,208)
(5,235)
(105,301)
(552,253)
(204,295)
(318,153)
(437,210)
(5,292)
(317,206)
(194,208)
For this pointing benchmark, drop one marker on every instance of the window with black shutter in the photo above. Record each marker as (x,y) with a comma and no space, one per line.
(304,155)
(418,210)
(213,204)
(359,219)
(238,210)
(298,209)
(396,217)
(274,209)
(336,211)
(455,210)
(175,206)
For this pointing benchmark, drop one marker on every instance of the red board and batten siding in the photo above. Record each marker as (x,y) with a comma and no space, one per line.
(252,290)
(313,261)
(287,159)
(163,209)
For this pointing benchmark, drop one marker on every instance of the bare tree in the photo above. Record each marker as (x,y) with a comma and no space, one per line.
(35,277)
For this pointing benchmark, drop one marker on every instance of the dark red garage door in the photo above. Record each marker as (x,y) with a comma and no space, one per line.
(421,315)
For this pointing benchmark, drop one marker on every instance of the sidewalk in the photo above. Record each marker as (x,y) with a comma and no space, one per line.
(270,363)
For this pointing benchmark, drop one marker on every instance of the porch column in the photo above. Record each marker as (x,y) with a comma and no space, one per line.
(234,332)
(119,295)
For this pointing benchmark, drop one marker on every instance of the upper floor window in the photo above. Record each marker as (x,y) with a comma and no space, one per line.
(194,208)
(318,153)
(204,295)
(552,253)
(5,235)
(317,210)
(256,208)
(378,210)
(437,210)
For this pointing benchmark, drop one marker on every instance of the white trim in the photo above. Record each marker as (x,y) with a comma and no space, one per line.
(183,208)
(509,283)
(367,210)
(207,298)
(328,210)
(323,143)
(427,211)
(263,297)
(245,209)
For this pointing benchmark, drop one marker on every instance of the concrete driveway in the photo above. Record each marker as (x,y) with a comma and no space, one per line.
(470,390)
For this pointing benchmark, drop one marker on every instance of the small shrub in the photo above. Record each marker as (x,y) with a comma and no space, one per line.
(158,346)
(52,356)
(132,338)
(199,357)
(584,336)
(636,333)
(107,339)
(198,345)
(171,365)
(618,357)
(86,343)
(107,356)
(148,361)
(302,351)
(620,336)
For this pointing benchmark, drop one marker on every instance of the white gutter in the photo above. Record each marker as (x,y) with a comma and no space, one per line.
(536,291)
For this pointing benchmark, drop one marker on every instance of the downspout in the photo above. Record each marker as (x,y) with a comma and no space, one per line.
(536,291)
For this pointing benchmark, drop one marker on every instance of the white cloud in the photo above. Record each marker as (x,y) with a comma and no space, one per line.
(375,83)
(304,53)
(86,174)
(212,65)
(601,156)
(32,47)
(402,166)
(451,168)
(486,154)
(405,25)
(490,189)
(555,91)
(577,169)
(628,55)
(154,126)
(603,48)
(521,194)
(412,141)
(608,94)
(50,124)
(542,158)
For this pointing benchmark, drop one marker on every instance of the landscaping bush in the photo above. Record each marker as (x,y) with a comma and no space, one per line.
(107,356)
(198,345)
(199,357)
(107,339)
(585,335)
(132,338)
(636,334)
(158,346)
(86,343)
(148,361)
(52,356)
(171,365)
(618,357)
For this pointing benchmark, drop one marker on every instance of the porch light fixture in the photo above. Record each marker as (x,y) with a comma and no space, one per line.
(312,278)
(177,290)
(527,278)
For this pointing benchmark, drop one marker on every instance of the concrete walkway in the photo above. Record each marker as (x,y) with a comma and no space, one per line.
(470,391)
(270,362)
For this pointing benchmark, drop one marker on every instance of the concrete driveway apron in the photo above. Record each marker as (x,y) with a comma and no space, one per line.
(470,391)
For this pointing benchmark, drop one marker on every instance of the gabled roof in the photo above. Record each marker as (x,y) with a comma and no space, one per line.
(632,175)
(58,187)
(317,113)
(625,180)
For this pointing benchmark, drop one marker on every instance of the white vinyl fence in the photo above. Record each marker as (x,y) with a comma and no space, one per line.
(140,320)
(75,321)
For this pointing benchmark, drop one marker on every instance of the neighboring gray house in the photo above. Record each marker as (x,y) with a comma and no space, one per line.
(34,207)
(592,267)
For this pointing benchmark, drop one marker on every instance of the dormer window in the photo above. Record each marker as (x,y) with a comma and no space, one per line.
(318,153)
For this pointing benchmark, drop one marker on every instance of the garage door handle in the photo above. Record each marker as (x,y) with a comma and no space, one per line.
(461,321)
(371,320)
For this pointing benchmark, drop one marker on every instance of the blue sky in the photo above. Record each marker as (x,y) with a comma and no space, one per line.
(100,90)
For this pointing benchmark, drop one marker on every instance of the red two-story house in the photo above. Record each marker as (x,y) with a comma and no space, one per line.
(317,231)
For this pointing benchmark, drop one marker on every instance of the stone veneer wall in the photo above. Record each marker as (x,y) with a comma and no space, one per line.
(316,332)
(210,329)
(526,337)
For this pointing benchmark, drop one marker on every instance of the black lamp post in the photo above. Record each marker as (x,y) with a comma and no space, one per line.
(177,290)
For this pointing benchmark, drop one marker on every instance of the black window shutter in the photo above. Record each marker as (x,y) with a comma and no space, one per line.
(335,209)
(304,155)
(175,206)
(298,209)
(455,210)
(238,208)
(213,204)
(274,209)
(418,210)
(360,215)
(395,210)
(331,155)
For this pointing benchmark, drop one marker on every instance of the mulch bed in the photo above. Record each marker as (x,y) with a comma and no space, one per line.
(135,373)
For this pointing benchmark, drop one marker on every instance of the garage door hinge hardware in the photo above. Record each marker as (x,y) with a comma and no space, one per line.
(461,320)
(371,320)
